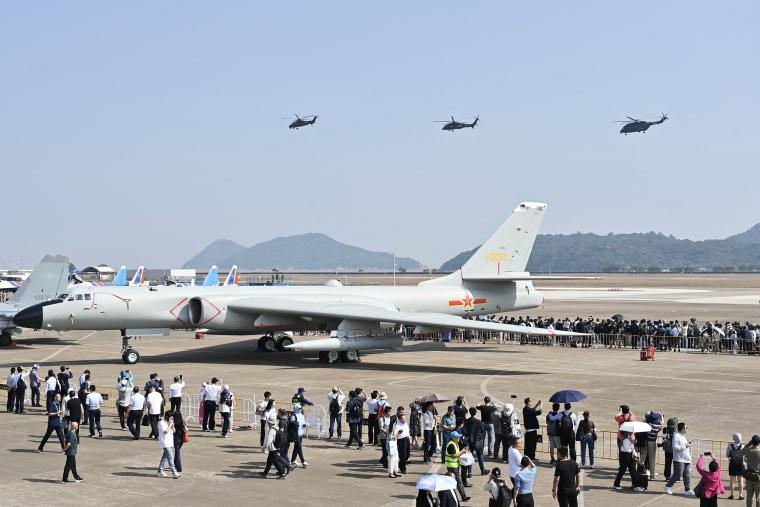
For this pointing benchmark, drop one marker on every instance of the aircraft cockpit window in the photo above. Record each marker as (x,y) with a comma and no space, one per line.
(87,297)
(71,298)
(79,297)
(63,296)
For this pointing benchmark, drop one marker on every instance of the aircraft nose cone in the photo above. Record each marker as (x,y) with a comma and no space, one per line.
(30,317)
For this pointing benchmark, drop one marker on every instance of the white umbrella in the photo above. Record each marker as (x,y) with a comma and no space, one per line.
(436,483)
(635,427)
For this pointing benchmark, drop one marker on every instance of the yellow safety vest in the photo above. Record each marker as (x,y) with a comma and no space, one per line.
(451,461)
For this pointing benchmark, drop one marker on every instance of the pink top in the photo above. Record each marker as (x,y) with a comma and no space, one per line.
(711,482)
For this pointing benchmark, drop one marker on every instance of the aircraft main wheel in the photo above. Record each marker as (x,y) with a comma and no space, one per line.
(267,344)
(130,356)
(349,356)
(282,341)
(329,357)
(5,339)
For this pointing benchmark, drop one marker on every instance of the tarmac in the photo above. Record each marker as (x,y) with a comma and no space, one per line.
(716,395)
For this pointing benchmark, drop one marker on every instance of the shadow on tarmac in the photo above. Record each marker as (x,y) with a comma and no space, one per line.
(244,352)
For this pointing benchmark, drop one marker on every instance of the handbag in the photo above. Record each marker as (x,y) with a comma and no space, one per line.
(185,435)
(699,491)
(145,421)
(466,459)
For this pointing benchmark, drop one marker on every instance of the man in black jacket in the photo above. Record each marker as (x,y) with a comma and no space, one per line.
(475,434)
(530,422)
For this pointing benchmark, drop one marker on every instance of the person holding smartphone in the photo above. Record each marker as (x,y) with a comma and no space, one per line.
(712,486)
(681,461)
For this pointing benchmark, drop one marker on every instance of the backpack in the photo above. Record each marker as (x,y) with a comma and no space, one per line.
(478,438)
(504,497)
(505,425)
(736,459)
(355,412)
(292,428)
(566,427)
(334,406)
(552,427)
(277,439)
(667,443)
(20,384)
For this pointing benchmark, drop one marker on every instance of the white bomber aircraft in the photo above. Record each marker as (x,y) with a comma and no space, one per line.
(493,280)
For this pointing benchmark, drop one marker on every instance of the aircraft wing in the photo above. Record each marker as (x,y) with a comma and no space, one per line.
(377,313)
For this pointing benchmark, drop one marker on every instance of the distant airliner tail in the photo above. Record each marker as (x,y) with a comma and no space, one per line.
(212,278)
(120,280)
(232,277)
(139,276)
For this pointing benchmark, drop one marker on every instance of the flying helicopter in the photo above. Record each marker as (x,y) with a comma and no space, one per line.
(633,125)
(302,122)
(456,125)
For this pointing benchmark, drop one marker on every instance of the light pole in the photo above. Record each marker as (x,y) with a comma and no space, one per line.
(394,268)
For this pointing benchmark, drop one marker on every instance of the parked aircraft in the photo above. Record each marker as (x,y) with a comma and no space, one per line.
(493,280)
(47,281)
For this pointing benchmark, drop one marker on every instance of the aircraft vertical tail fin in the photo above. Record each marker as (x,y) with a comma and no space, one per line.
(232,277)
(508,249)
(139,276)
(47,281)
(212,278)
(120,280)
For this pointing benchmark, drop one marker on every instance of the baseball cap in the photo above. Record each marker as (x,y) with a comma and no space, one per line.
(455,434)
(755,440)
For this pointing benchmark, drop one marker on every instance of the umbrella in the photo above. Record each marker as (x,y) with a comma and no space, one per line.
(432,397)
(635,427)
(617,317)
(567,397)
(436,483)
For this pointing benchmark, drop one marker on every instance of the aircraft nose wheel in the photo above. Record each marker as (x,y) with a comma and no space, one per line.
(130,356)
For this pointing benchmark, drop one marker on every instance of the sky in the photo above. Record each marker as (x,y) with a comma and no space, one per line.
(137,133)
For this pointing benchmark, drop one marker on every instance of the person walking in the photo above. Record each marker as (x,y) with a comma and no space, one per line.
(626,461)
(135,412)
(166,441)
(122,404)
(84,390)
(751,455)
(736,467)
(587,436)
(298,442)
(272,441)
(567,480)
(94,401)
(451,453)
(335,400)
(681,461)
(70,450)
(74,409)
(226,406)
(712,486)
(175,394)
(54,413)
(354,410)
(34,385)
(624,415)
(154,400)
(524,480)
(475,435)
(530,423)
(210,395)
(180,434)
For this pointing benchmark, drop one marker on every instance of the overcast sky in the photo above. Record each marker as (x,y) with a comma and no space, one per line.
(137,133)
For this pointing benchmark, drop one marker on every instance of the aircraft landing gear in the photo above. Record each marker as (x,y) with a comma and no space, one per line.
(128,354)
(272,343)
(334,356)
(282,342)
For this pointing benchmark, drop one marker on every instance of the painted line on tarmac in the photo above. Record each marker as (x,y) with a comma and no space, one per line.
(407,379)
(51,356)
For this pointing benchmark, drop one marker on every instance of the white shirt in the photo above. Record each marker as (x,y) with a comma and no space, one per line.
(81,379)
(51,383)
(514,461)
(12,381)
(165,437)
(626,445)
(681,453)
(175,390)
(401,429)
(301,424)
(154,400)
(428,420)
(137,402)
(211,392)
(261,409)
(372,406)
(94,401)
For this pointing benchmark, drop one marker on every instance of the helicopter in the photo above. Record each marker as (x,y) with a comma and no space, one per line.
(302,122)
(456,125)
(633,125)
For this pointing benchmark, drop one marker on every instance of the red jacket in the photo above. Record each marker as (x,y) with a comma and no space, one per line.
(711,482)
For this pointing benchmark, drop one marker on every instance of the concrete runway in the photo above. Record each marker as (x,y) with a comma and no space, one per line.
(716,395)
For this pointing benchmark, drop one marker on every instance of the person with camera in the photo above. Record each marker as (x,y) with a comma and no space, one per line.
(524,480)
(681,461)
(226,406)
(530,421)
(64,376)
(711,484)
(175,393)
